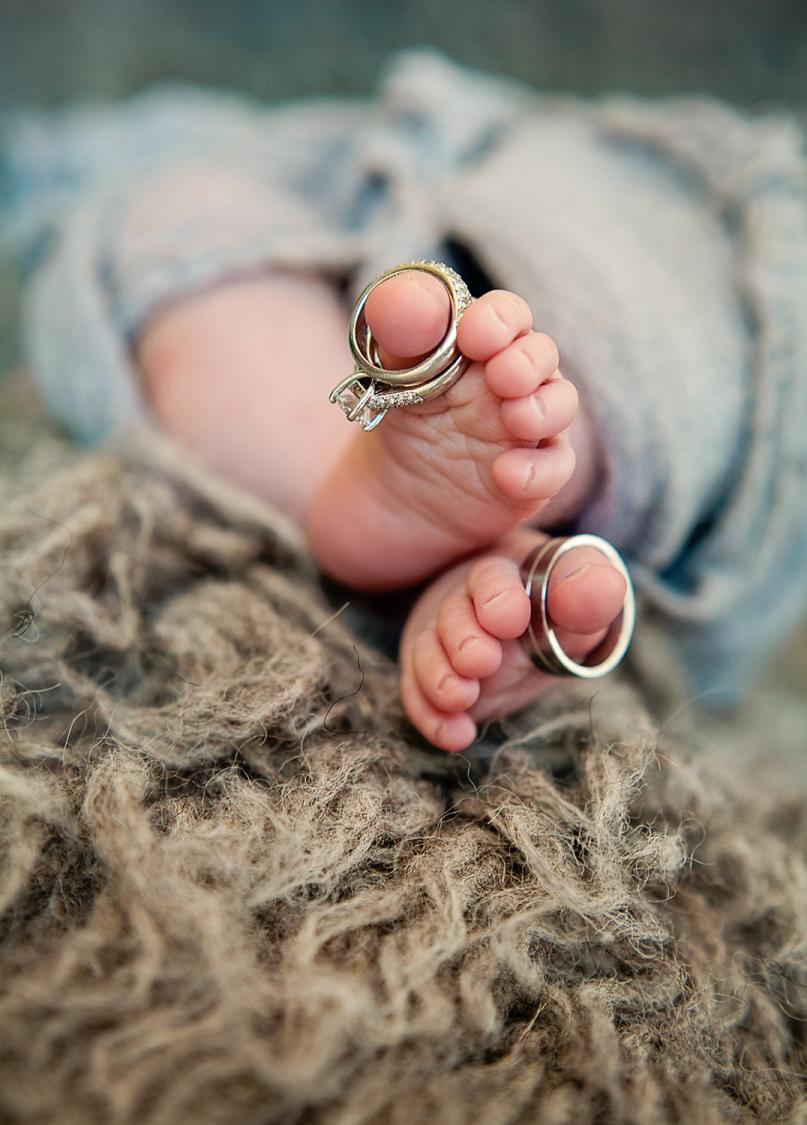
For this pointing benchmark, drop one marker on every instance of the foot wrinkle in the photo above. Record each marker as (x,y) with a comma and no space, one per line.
(417,503)
(573,573)
(499,317)
(538,406)
(468,450)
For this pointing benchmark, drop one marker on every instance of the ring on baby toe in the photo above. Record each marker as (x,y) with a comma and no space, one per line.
(541,641)
(371,389)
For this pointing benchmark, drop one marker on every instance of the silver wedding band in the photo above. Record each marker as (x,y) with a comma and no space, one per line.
(540,640)
(371,389)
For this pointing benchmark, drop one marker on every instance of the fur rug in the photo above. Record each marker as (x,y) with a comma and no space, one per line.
(235,887)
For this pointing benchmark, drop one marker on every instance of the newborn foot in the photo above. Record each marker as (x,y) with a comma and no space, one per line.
(436,481)
(461,661)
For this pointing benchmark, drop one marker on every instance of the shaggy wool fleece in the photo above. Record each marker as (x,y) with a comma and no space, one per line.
(235,887)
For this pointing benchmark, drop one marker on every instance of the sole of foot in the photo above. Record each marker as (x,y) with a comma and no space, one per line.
(462,661)
(436,481)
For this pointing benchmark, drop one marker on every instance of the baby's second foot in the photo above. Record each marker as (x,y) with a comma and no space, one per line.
(435,481)
(461,659)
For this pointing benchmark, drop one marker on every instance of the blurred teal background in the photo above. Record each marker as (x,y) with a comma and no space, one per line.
(752,52)
(747,50)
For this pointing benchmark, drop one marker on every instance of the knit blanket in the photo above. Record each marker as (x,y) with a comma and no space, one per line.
(235,886)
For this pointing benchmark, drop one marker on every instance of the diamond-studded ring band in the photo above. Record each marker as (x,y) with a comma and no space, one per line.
(371,389)
(540,640)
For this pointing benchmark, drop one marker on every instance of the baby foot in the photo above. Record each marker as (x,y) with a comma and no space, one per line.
(461,661)
(436,481)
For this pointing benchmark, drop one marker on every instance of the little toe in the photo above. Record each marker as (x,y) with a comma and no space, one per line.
(440,684)
(408,316)
(491,323)
(473,652)
(500,600)
(447,731)
(541,414)
(585,592)
(520,368)
(534,474)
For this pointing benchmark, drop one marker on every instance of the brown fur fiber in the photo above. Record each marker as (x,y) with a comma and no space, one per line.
(236,888)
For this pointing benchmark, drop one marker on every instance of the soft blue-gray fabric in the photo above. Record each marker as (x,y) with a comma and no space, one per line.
(662,244)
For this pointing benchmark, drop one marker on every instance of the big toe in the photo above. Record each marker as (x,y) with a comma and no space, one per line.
(585,592)
(408,316)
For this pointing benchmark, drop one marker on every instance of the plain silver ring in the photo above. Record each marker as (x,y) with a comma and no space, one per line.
(540,640)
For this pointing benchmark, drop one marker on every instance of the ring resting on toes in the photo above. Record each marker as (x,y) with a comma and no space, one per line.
(453,470)
(371,389)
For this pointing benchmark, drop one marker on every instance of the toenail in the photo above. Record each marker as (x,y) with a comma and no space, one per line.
(467,643)
(529,475)
(494,598)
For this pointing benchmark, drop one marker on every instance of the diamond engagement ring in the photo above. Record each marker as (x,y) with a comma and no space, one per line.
(371,390)
(540,639)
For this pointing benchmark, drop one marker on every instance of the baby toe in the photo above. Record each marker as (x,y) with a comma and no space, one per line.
(408,315)
(534,474)
(520,369)
(585,593)
(541,414)
(446,731)
(491,323)
(440,684)
(500,600)
(473,652)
